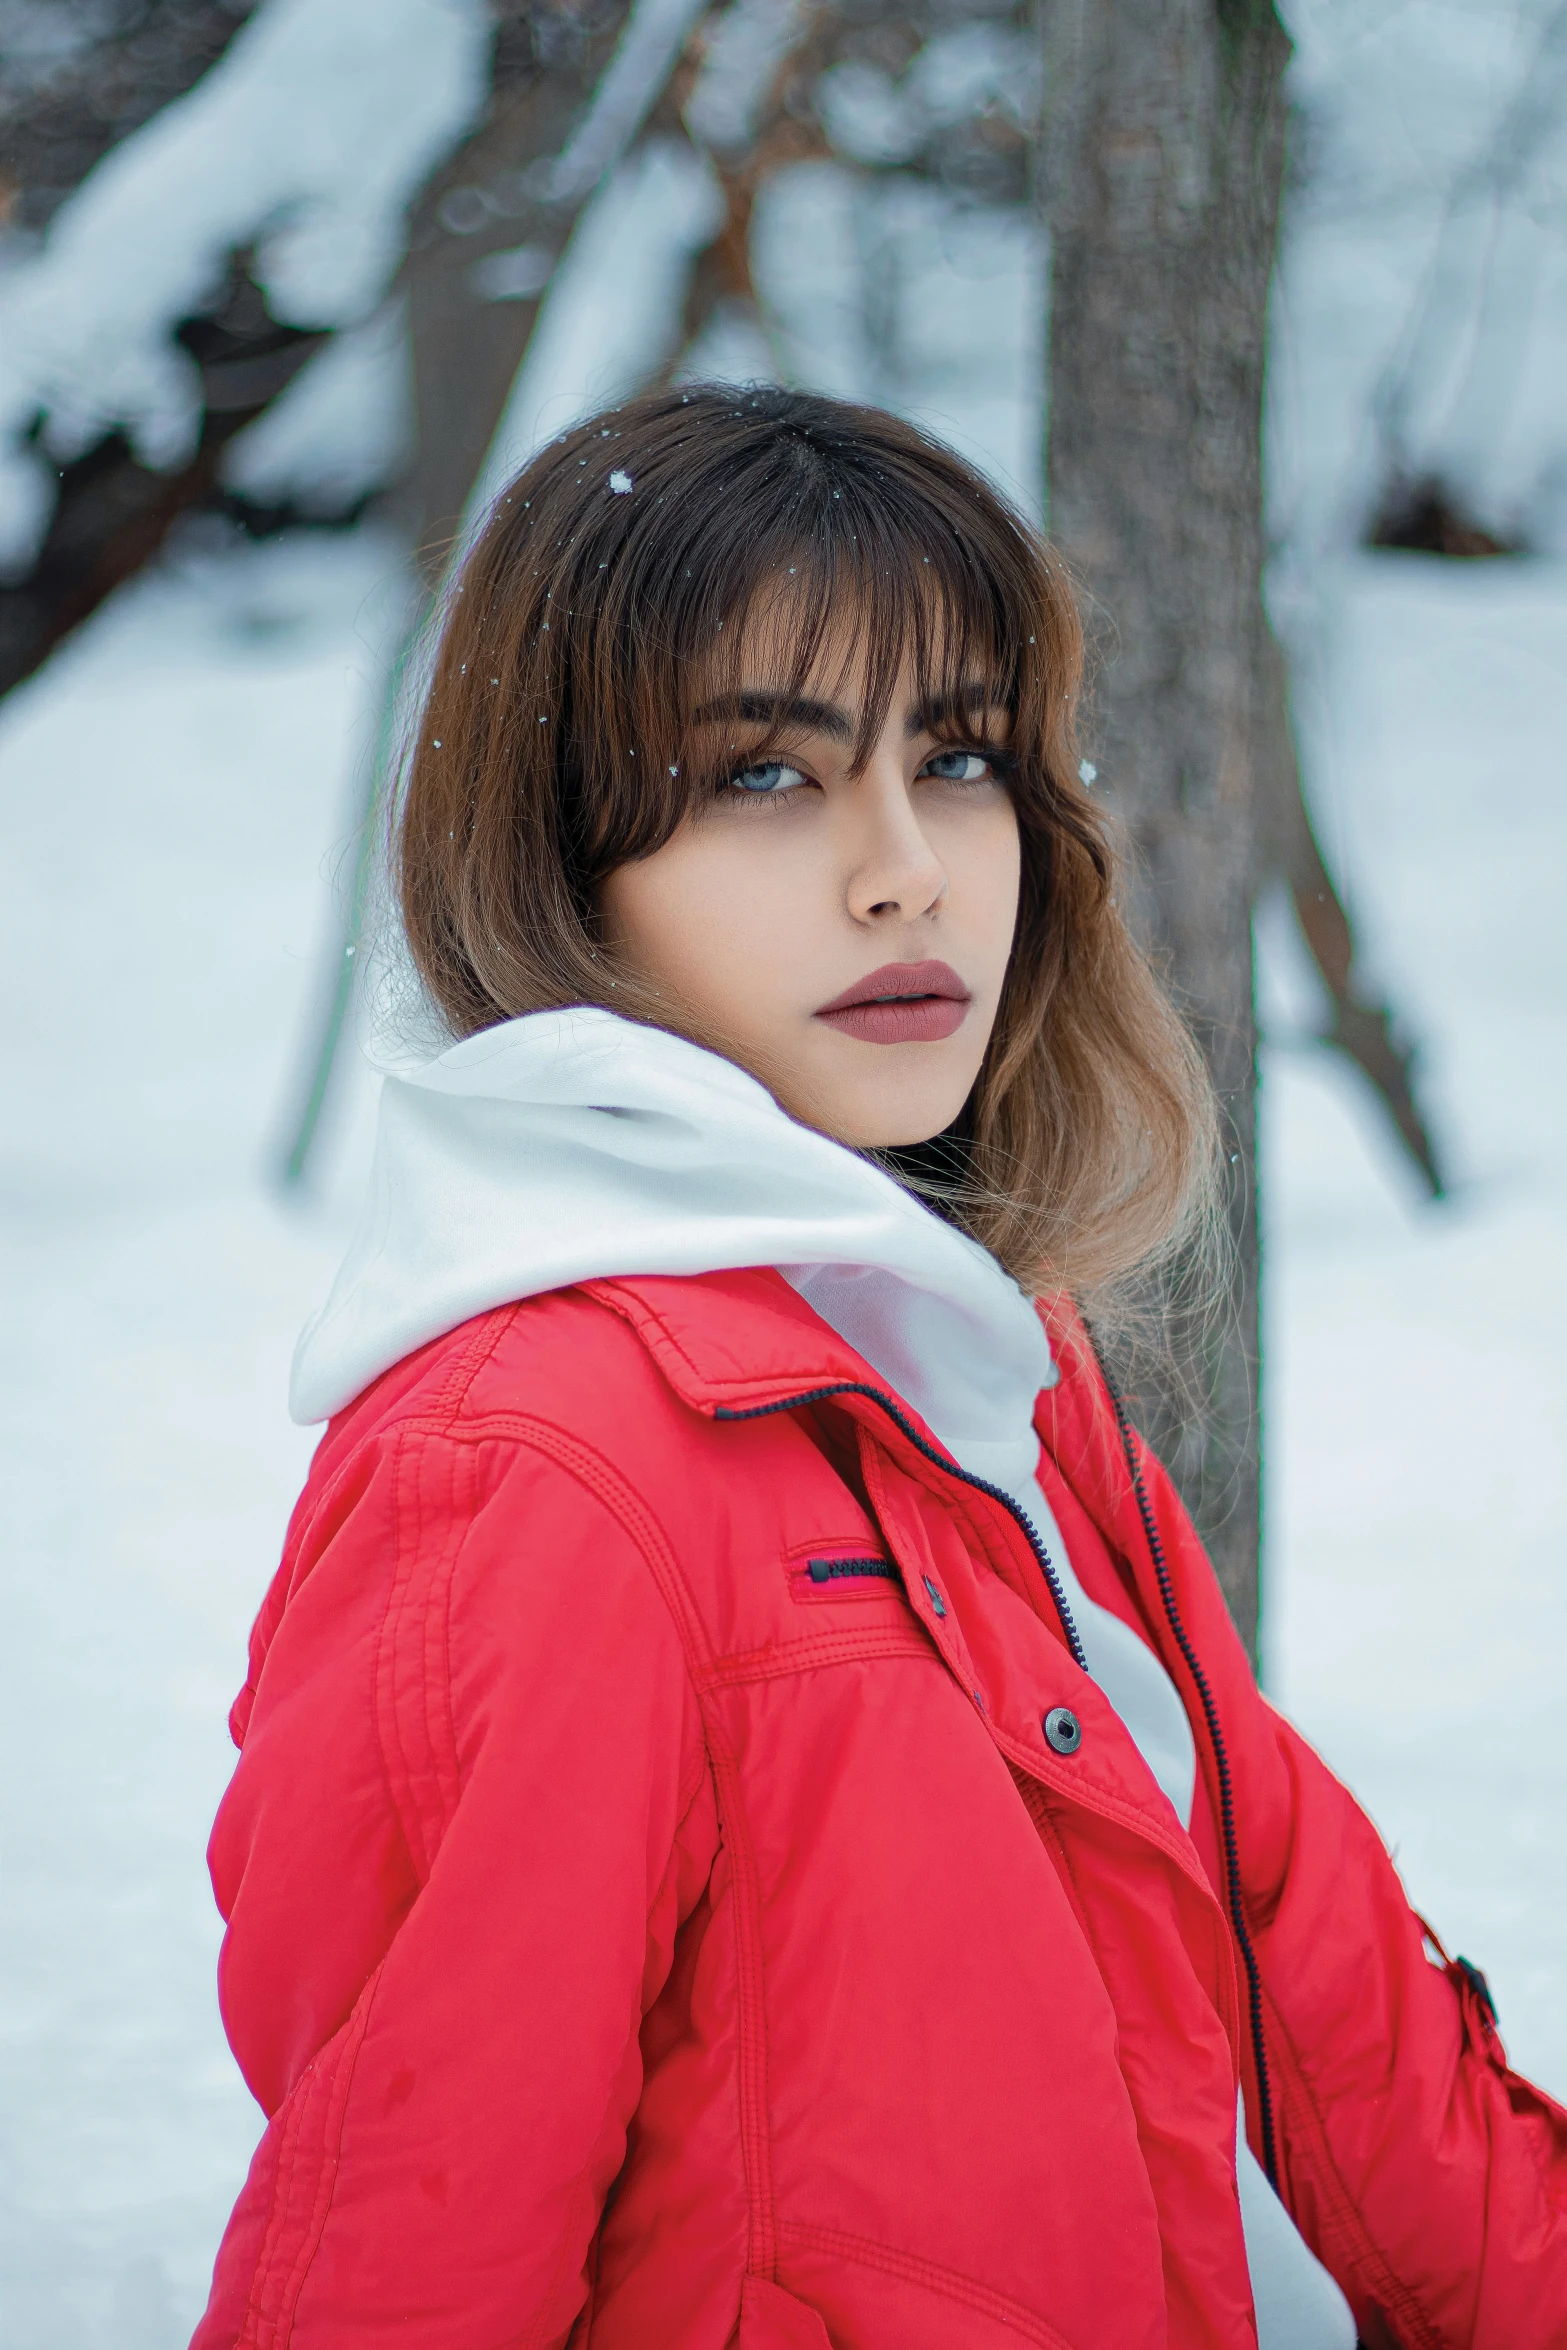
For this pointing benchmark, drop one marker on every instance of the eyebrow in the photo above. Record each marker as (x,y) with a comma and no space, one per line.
(970,701)
(755,706)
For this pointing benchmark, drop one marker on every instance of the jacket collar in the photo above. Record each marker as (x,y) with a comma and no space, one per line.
(745,1341)
(734,1341)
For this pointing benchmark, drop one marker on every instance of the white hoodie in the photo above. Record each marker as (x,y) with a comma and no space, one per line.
(572,1146)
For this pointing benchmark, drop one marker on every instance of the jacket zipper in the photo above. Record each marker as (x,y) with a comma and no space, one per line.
(1231,1842)
(794,1403)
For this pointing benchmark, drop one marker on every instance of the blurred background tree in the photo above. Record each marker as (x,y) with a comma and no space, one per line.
(399,243)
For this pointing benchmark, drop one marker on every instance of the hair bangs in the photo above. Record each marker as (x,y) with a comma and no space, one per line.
(841,621)
(812,568)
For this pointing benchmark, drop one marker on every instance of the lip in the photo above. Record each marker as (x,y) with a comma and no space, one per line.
(901,1003)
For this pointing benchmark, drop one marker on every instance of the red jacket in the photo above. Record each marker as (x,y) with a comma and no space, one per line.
(658,1918)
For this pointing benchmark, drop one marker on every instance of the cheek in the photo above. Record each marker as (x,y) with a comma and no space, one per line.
(984,861)
(700,915)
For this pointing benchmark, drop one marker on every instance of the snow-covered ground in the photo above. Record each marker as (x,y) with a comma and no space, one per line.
(1416,1403)
(178,804)
(178,796)
(177,793)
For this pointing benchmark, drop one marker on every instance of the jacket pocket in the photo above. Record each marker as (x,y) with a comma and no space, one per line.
(771,2319)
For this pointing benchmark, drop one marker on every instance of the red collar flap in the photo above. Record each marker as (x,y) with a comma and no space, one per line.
(734,1341)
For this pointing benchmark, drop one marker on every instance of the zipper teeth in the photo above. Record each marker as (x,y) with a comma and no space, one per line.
(791,1403)
(1172,1611)
(1232,1865)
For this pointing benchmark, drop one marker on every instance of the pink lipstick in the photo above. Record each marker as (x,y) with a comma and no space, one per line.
(902,1003)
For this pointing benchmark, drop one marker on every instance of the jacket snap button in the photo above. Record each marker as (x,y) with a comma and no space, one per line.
(1063,1730)
(936,1600)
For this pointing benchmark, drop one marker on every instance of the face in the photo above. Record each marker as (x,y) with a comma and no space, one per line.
(843,935)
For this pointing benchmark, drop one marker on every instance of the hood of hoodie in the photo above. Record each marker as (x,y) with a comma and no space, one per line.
(574,1146)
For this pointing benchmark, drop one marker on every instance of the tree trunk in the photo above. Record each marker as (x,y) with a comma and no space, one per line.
(1163,162)
(493,197)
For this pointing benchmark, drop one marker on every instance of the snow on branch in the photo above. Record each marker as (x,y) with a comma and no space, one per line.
(306,141)
(655,34)
(742,51)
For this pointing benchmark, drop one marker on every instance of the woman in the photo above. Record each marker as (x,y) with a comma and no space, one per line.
(753,1823)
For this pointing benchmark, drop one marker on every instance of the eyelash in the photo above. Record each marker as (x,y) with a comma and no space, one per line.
(999,765)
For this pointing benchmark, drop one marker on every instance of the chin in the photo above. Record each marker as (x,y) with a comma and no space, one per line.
(902,1126)
(879,1111)
(901,1137)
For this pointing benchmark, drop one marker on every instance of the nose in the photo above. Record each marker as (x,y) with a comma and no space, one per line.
(894,874)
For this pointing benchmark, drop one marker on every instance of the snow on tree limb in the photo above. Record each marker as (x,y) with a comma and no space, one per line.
(308,140)
(656,32)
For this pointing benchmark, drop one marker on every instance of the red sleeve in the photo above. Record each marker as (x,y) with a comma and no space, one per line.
(1428,2176)
(1431,2177)
(471,1810)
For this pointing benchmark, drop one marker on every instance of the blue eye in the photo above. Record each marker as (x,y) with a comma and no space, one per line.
(768,781)
(960,767)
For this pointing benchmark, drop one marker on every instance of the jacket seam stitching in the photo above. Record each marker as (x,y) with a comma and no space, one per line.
(395,1763)
(1055,1844)
(440,1730)
(384,1733)
(750,1991)
(598,1478)
(1115,1808)
(325,2193)
(802,1656)
(269,2253)
(452,1392)
(930,2275)
(270,2259)
(685,1805)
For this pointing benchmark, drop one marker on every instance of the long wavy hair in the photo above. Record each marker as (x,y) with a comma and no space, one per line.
(611,590)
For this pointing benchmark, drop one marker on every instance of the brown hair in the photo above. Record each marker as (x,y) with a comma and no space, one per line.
(554,743)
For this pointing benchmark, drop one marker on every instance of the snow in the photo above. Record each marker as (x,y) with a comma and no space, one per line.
(343,426)
(609,314)
(1416,1408)
(959,74)
(893,290)
(307,138)
(514,274)
(1424,279)
(882,288)
(653,38)
(179,793)
(879,290)
(741,54)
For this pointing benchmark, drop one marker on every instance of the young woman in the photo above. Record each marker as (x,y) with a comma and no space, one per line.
(753,1825)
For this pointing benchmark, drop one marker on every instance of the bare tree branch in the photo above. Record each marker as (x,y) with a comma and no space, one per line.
(1360,1024)
(113,513)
